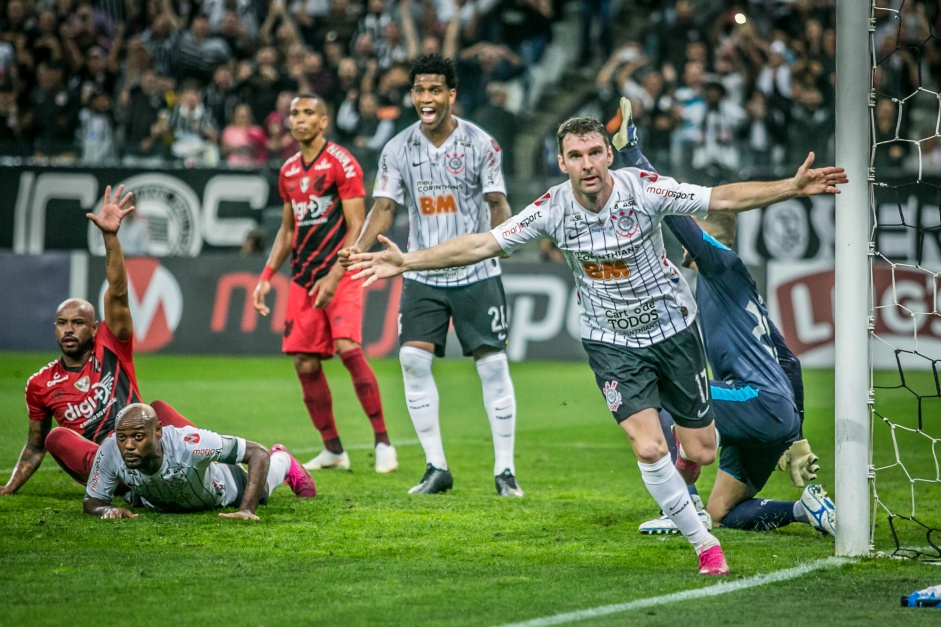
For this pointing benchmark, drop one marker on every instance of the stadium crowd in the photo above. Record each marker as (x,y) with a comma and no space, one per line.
(719,86)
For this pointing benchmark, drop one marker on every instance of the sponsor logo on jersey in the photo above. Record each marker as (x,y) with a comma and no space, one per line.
(625,224)
(292,171)
(649,176)
(192,438)
(307,211)
(632,321)
(522,224)
(545,197)
(205,452)
(99,392)
(671,193)
(56,379)
(82,384)
(305,185)
(611,395)
(323,165)
(435,205)
(454,163)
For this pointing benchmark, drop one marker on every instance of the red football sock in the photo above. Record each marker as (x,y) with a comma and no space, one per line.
(169,416)
(319,404)
(72,452)
(367,391)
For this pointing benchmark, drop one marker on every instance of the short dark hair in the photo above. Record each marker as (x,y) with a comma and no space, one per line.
(581,127)
(434,64)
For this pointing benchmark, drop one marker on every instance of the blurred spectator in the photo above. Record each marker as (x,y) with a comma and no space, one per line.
(811,127)
(653,113)
(347,80)
(688,108)
(243,143)
(360,119)
(241,12)
(259,87)
(341,20)
(390,47)
(96,132)
(162,39)
(237,35)
(375,18)
(99,73)
(501,123)
(281,144)
(195,134)
(279,30)
(221,96)
(308,16)
(200,53)
(890,152)
(13,141)
(316,78)
(715,152)
(146,123)
(929,153)
(765,132)
(53,114)
(601,12)
(774,79)
(678,32)
(427,40)
(87,27)
(481,64)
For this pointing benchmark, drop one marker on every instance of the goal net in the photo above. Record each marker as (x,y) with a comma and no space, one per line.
(905,266)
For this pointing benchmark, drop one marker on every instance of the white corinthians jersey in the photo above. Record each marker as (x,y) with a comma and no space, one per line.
(189,478)
(444,190)
(629,293)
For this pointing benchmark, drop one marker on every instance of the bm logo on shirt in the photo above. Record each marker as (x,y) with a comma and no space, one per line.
(435,205)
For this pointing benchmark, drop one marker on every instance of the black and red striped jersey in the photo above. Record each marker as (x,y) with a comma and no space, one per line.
(315,192)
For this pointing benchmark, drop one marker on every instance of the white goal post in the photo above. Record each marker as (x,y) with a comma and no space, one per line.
(851,295)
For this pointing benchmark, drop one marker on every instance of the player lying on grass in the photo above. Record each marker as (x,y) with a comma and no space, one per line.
(186,469)
(94,379)
(637,312)
(758,392)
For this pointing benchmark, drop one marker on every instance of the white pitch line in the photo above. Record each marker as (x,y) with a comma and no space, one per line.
(686,595)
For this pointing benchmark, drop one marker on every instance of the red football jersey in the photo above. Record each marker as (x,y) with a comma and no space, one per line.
(315,191)
(87,400)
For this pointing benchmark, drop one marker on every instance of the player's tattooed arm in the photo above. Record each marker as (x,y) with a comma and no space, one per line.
(97,507)
(257,458)
(30,457)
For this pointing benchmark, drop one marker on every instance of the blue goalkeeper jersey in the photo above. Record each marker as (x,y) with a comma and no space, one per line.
(742,343)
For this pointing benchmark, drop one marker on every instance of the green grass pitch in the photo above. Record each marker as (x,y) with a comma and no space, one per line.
(366,553)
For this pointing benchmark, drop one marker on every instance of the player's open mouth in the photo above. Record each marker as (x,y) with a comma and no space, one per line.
(427,114)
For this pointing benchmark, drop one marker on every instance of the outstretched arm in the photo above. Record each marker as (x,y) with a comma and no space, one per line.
(750,195)
(30,457)
(257,459)
(460,251)
(117,309)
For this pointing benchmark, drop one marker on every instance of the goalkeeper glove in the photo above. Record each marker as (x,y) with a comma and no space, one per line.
(802,461)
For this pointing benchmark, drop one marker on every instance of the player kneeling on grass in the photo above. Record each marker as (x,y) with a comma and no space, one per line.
(758,393)
(186,469)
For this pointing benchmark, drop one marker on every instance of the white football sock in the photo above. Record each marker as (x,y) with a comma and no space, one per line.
(421,396)
(500,403)
(278,467)
(669,491)
(800,513)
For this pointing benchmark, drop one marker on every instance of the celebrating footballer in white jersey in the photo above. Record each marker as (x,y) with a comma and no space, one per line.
(449,174)
(621,267)
(629,293)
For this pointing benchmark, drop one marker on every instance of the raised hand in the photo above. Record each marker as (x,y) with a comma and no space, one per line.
(382,265)
(108,219)
(820,181)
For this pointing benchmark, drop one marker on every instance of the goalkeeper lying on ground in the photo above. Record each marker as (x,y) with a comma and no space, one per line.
(758,392)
